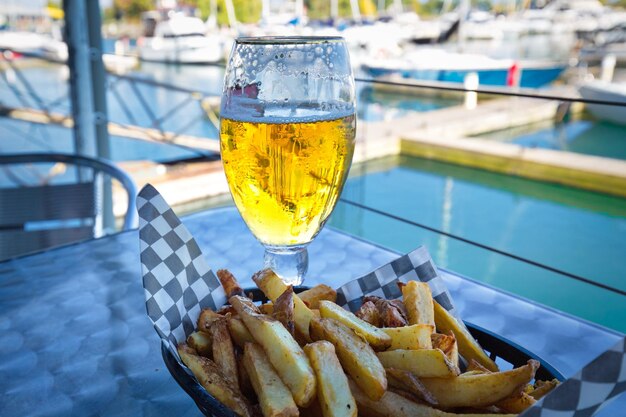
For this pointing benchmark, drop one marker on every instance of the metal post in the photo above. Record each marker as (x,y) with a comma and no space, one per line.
(87,91)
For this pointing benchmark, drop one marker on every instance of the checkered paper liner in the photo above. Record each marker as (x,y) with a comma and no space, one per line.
(599,382)
(177,281)
(178,284)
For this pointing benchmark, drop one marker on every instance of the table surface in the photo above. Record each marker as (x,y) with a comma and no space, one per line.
(75,338)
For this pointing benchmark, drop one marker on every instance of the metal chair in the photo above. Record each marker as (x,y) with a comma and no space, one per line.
(37,217)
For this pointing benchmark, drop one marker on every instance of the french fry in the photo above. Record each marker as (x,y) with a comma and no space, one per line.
(274,397)
(447,344)
(239,332)
(516,403)
(272,286)
(416,336)
(267,308)
(475,366)
(208,375)
(377,338)
(224,351)
(407,381)
(206,317)
(201,342)
(313,296)
(226,310)
(392,312)
(423,362)
(395,405)
(468,347)
(418,301)
(245,385)
(314,410)
(542,388)
(283,310)
(283,351)
(333,392)
(230,284)
(369,312)
(478,390)
(355,355)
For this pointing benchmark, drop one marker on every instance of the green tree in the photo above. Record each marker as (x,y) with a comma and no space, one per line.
(246,11)
(132,9)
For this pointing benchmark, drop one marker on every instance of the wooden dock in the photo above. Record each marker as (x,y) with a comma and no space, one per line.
(445,135)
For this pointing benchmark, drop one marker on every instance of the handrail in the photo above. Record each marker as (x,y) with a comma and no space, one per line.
(99,164)
(486,247)
(491,90)
(440,86)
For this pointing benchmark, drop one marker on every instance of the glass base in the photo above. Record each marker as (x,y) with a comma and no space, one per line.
(289,263)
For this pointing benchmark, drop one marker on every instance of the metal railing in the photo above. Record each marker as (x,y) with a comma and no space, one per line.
(205,103)
(147,125)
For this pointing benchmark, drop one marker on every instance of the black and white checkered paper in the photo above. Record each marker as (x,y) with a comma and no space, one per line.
(178,284)
(383,282)
(177,281)
(602,380)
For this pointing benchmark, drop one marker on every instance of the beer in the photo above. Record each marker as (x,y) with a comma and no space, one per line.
(285,176)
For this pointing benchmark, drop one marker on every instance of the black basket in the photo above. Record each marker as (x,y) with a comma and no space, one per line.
(498,348)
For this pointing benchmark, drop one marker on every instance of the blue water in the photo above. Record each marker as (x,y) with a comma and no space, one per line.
(586,136)
(579,232)
(376,105)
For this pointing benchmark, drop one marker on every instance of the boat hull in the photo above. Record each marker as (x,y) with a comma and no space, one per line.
(598,90)
(181,51)
(530,77)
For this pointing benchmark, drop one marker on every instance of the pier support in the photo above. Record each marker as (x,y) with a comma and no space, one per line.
(88,93)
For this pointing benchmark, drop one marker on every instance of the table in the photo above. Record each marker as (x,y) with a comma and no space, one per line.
(75,339)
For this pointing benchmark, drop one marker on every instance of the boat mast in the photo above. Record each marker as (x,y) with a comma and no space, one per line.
(397,7)
(265,11)
(230,12)
(300,11)
(356,11)
(464,9)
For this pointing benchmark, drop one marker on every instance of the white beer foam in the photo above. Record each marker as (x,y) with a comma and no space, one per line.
(255,111)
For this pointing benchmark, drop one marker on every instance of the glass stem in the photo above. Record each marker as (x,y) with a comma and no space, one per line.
(290,263)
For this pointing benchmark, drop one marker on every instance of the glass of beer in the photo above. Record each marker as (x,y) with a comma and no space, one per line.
(287,131)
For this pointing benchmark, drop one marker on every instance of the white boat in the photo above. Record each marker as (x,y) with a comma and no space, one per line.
(430,64)
(607,91)
(39,44)
(481,25)
(181,40)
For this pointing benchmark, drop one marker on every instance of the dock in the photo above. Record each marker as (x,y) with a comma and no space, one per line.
(446,135)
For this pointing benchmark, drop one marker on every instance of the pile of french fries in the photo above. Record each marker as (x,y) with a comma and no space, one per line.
(303,355)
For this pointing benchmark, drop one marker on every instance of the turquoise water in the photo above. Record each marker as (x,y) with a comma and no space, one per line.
(584,136)
(576,231)
(376,105)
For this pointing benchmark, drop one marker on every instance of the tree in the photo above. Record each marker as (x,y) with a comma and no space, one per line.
(132,9)
(246,11)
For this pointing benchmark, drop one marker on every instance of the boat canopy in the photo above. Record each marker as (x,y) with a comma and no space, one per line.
(180,26)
